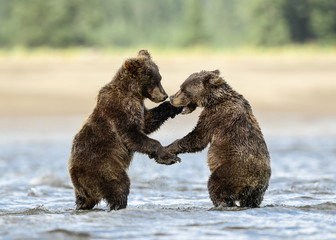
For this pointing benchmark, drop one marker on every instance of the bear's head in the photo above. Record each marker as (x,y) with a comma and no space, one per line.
(146,76)
(199,90)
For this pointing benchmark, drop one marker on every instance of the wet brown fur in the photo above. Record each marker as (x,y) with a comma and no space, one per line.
(237,157)
(103,148)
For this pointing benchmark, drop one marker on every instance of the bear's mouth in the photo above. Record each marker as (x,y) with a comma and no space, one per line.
(185,110)
(189,108)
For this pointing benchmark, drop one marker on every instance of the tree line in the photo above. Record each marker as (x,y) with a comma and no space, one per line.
(166,23)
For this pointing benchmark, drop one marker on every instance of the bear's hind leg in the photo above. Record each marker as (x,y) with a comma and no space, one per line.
(223,189)
(219,191)
(85,203)
(115,191)
(83,200)
(116,200)
(253,199)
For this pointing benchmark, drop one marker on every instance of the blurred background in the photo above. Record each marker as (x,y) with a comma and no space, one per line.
(166,24)
(55,55)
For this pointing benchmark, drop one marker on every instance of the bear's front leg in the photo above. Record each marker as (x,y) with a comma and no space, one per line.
(135,140)
(167,158)
(155,117)
(174,147)
(194,141)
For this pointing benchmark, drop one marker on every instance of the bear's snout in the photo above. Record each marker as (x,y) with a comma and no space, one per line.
(157,95)
(179,99)
(171,98)
(161,97)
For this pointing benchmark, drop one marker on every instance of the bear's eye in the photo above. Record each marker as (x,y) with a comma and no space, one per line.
(188,93)
(154,75)
(192,90)
(150,73)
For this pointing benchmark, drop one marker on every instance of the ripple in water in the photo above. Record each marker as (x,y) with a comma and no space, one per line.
(168,202)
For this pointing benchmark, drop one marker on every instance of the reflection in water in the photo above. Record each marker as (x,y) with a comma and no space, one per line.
(168,202)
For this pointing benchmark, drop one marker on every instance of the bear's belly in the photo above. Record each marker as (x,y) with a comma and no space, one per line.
(213,165)
(237,163)
(214,158)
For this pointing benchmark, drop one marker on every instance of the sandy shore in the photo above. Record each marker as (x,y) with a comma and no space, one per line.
(51,86)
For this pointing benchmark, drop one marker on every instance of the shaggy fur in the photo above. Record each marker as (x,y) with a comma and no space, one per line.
(103,148)
(238,157)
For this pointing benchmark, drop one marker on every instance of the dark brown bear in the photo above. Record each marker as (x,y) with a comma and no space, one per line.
(238,157)
(103,148)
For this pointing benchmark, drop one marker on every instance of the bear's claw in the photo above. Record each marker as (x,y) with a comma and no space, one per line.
(169,161)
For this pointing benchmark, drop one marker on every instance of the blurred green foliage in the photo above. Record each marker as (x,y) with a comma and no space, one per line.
(165,23)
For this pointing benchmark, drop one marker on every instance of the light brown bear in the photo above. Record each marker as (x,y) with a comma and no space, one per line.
(237,157)
(103,148)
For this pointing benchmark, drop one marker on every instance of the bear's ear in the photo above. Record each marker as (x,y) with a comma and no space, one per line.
(132,65)
(217,81)
(216,72)
(144,53)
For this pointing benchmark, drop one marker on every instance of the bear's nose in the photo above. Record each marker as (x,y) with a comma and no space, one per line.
(171,98)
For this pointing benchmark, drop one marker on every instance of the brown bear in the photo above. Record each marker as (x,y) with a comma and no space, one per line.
(238,158)
(103,148)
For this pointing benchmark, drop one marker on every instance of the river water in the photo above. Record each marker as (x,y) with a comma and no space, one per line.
(167,202)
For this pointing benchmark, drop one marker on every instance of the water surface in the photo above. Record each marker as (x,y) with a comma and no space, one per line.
(167,202)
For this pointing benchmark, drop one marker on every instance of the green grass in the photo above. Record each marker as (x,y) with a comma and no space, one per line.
(288,50)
